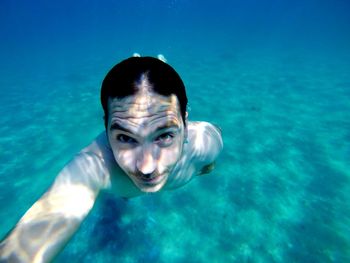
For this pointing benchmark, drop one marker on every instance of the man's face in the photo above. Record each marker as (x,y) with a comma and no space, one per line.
(146,133)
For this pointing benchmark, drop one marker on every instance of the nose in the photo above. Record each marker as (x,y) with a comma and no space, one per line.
(146,163)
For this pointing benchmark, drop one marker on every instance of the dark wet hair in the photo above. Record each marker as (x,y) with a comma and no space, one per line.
(120,81)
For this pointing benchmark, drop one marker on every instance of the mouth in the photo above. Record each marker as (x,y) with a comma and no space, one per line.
(149,183)
(150,179)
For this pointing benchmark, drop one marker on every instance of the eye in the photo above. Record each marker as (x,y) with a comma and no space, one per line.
(125,139)
(165,139)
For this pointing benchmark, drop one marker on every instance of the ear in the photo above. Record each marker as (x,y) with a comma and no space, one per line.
(186,126)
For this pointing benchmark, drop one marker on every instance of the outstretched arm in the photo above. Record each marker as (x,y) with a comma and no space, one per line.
(48,225)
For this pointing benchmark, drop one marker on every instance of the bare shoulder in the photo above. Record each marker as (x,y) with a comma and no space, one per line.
(205,142)
(100,147)
(205,145)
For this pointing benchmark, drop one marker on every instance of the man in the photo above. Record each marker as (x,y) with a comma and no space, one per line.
(148,146)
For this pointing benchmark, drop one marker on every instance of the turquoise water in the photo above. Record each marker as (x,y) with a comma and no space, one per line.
(274,75)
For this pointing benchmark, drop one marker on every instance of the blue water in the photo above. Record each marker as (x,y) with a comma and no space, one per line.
(275,75)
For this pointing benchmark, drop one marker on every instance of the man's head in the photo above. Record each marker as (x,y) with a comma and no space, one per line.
(121,79)
(144,101)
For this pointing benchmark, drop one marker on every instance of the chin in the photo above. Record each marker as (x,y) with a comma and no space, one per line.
(150,187)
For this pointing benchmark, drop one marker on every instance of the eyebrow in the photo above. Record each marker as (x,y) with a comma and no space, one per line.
(117,126)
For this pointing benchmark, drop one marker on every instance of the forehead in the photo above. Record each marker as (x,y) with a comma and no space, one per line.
(144,106)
